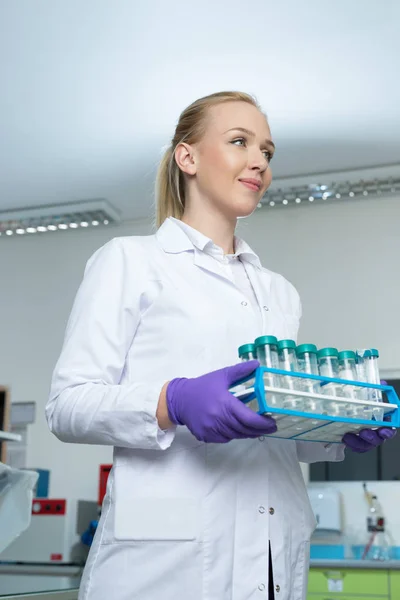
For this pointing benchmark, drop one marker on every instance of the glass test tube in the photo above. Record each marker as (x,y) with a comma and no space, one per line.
(348,370)
(308,363)
(266,348)
(288,362)
(328,365)
(372,370)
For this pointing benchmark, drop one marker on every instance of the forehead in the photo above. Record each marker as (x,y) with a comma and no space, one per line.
(237,114)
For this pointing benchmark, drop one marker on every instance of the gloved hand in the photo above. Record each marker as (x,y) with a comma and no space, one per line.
(207,408)
(368,439)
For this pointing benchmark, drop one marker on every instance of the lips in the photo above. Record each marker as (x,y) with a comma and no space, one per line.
(252,184)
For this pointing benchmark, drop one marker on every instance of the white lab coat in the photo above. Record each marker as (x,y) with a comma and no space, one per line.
(181,518)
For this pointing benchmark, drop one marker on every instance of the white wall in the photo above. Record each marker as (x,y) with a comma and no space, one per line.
(342,257)
(355,508)
(344,260)
(40,276)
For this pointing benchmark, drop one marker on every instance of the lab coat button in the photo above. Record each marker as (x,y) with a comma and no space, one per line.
(278,588)
(261,587)
(261,438)
(244,303)
(261,510)
(265,308)
(271,511)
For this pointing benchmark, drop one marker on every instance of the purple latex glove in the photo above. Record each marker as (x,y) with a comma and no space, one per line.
(207,408)
(368,439)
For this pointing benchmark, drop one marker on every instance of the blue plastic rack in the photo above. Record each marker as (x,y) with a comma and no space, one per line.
(314,427)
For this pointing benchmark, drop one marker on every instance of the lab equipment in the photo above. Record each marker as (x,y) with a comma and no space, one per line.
(53,533)
(362,372)
(288,362)
(325,503)
(267,355)
(307,363)
(247,352)
(16,492)
(50,546)
(372,371)
(104,472)
(328,365)
(378,545)
(323,427)
(348,370)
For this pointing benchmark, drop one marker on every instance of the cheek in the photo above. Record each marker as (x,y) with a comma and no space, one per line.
(268,178)
(221,164)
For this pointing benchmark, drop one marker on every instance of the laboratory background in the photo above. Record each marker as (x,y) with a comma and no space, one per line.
(90,95)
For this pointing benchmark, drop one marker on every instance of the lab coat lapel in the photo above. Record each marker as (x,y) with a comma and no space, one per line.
(209,263)
(174,241)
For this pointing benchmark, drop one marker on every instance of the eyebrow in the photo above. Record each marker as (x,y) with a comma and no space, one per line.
(252,134)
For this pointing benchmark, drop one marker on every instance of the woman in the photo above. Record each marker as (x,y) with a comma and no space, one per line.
(155,323)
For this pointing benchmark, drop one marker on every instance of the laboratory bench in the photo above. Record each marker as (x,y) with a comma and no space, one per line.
(329,579)
(52,595)
(39,582)
(354,580)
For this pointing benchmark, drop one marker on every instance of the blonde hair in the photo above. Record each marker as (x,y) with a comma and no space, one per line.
(170,184)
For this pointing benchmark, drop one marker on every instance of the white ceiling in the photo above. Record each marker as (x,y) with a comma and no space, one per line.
(91,90)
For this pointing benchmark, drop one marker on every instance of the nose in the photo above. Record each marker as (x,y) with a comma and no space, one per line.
(257,161)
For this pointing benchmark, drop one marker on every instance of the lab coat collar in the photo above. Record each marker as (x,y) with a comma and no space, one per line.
(175,237)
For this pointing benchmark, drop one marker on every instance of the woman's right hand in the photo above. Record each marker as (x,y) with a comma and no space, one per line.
(209,410)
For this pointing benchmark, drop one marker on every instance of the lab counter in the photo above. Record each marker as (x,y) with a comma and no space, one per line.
(386,565)
(354,580)
(347,579)
(55,595)
(39,581)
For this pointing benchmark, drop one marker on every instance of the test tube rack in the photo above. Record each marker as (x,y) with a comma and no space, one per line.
(314,427)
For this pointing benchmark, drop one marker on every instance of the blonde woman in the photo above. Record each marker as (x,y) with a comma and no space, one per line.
(200,502)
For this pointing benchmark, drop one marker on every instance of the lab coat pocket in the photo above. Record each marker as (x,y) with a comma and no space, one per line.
(156,519)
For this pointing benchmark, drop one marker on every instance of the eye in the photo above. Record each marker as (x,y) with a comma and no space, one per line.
(239,142)
(268,155)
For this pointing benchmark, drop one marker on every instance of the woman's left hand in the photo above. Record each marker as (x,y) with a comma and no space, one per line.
(368,439)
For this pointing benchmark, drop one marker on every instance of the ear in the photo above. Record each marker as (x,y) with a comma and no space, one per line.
(184,156)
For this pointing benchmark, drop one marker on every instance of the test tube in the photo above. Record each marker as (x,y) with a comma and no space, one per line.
(247,352)
(307,363)
(348,370)
(372,371)
(266,348)
(328,365)
(362,372)
(288,362)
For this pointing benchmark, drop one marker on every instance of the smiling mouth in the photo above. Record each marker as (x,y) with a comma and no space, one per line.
(255,186)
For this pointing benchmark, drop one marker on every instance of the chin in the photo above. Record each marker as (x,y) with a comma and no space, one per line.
(244,209)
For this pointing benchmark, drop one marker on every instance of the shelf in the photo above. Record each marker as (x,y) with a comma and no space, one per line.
(5,436)
(48,570)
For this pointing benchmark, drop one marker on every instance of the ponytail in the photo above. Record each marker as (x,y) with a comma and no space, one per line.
(169,189)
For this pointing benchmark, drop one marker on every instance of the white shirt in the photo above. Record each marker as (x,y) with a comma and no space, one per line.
(232,263)
(181,518)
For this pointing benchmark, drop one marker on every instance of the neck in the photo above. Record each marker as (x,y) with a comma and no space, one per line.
(212,224)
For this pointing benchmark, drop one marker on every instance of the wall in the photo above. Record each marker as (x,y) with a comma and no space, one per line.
(355,508)
(343,258)
(40,276)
